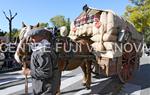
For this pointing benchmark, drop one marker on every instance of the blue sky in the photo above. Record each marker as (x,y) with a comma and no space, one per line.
(33,11)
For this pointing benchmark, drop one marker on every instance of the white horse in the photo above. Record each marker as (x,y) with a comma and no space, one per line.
(23,37)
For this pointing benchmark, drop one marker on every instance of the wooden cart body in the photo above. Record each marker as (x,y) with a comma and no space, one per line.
(117,45)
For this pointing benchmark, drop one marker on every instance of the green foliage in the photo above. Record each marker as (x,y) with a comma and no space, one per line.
(139,15)
(43,25)
(147,36)
(59,21)
(15,33)
(2,33)
(137,2)
(68,24)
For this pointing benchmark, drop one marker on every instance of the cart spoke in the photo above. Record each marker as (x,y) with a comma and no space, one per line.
(128,64)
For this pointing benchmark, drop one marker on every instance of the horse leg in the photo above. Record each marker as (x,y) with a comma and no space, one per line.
(83,67)
(58,88)
(58,91)
(88,74)
(96,70)
(86,68)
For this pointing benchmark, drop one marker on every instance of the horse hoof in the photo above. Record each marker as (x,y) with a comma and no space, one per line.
(88,88)
(96,76)
(58,93)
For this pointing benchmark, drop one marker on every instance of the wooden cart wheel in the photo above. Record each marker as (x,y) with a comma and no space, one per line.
(127,66)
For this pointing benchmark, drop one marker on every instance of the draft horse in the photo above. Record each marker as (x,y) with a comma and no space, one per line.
(63,63)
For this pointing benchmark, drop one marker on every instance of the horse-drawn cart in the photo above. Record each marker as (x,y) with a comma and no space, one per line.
(98,36)
(116,44)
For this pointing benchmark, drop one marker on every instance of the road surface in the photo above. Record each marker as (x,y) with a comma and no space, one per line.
(140,84)
(71,83)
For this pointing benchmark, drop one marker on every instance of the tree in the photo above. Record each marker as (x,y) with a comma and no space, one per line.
(43,25)
(68,24)
(14,33)
(139,15)
(10,18)
(137,2)
(59,21)
(2,33)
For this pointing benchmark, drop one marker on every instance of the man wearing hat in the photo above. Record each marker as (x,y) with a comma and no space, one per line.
(43,68)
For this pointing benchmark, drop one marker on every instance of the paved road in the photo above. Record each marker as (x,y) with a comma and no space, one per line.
(71,83)
(140,84)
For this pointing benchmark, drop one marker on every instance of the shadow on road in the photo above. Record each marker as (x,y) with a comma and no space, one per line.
(140,81)
(142,77)
(108,87)
(9,74)
(105,87)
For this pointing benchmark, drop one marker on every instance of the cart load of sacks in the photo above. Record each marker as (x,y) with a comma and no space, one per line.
(105,29)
